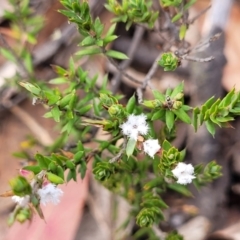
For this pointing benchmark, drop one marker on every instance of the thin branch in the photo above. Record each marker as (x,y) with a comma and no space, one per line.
(122,150)
(119,68)
(123,73)
(130,53)
(191,21)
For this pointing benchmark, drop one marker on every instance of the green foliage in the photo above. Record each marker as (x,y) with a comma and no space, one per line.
(103,170)
(169,61)
(169,107)
(81,105)
(217,112)
(173,3)
(133,11)
(169,158)
(205,174)
(20,186)
(174,236)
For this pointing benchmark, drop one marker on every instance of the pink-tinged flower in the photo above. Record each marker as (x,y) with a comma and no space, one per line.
(27,174)
(49,193)
(134,126)
(21,201)
(184,173)
(151,147)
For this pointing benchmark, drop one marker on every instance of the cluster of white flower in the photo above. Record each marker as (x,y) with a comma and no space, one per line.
(136,125)
(184,173)
(49,193)
(21,201)
(151,147)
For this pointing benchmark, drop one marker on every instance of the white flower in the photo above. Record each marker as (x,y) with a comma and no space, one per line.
(21,201)
(184,173)
(50,193)
(151,146)
(134,126)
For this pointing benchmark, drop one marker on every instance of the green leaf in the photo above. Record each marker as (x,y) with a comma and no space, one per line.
(82,169)
(182,31)
(169,119)
(70,164)
(31,88)
(189,4)
(130,147)
(68,127)
(7,54)
(89,51)
(177,89)
(177,17)
(34,169)
(98,27)
(111,30)
(109,39)
(227,99)
(59,70)
(51,97)
(180,189)
(60,172)
(71,175)
(20,186)
(54,178)
(47,115)
(159,115)
(116,54)
(131,104)
(88,41)
(85,109)
(42,162)
(210,127)
(28,62)
(182,115)
(66,99)
(166,145)
(78,157)
(60,80)
(158,95)
(99,42)
(56,113)
(196,112)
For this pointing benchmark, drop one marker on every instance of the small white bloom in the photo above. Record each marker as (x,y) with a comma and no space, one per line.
(21,201)
(151,147)
(135,125)
(50,193)
(184,173)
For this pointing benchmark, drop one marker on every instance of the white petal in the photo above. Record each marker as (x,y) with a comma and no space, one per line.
(184,173)
(141,119)
(151,147)
(50,193)
(21,201)
(143,129)
(132,119)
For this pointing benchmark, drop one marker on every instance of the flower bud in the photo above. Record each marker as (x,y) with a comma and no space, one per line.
(152,104)
(27,174)
(177,104)
(115,110)
(168,61)
(179,96)
(20,186)
(106,100)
